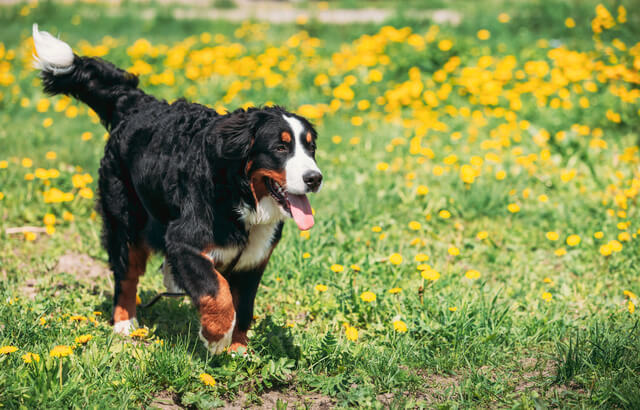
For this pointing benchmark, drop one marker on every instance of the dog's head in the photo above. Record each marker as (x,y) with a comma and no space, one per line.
(279,151)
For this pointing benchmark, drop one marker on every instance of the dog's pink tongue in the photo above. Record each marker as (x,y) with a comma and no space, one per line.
(301,211)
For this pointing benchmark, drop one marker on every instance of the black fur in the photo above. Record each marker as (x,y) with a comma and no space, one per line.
(173,175)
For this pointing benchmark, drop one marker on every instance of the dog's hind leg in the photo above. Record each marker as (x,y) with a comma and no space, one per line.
(123,221)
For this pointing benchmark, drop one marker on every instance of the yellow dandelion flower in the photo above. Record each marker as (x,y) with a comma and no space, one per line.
(49,219)
(598,235)
(305,234)
(337,268)
(552,236)
(395,259)
(376,229)
(573,240)
(569,22)
(513,208)
(606,250)
(467,174)
(453,308)
(30,357)
(624,237)
(630,294)
(560,252)
(86,193)
(355,267)
(306,255)
(615,246)
(382,166)
(61,351)
(30,236)
(453,251)
(368,296)
(503,18)
(546,296)
(483,34)
(422,190)
(139,333)
(445,45)
(631,306)
(83,339)
(400,326)
(393,291)
(482,235)
(207,379)
(472,274)
(43,105)
(322,288)
(7,349)
(444,214)
(77,318)
(421,257)
(351,333)
(430,274)
(415,225)
(51,155)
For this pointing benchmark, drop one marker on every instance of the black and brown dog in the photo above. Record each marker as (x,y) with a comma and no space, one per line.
(209,191)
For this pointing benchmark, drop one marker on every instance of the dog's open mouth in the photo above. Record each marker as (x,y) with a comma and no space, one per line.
(297,206)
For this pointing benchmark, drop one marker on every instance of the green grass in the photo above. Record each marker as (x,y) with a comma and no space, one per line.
(485,342)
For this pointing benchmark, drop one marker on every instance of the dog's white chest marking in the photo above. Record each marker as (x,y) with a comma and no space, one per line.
(254,252)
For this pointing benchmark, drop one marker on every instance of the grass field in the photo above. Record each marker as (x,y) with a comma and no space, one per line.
(475,241)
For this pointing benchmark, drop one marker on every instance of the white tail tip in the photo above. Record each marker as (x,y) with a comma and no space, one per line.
(53,55)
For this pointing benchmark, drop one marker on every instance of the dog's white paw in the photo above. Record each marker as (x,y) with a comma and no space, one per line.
(218,346)
(169,282)
(125,327)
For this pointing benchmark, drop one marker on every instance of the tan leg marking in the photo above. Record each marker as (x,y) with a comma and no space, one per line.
(125,308)
(217,317)
(239,340)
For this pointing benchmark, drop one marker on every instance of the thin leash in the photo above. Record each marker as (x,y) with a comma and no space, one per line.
(157,297)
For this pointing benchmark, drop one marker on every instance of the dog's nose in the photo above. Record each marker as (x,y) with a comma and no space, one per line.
(312,179)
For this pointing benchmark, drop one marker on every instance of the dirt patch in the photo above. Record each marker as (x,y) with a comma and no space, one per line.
(438,388)
(165,400)
(82,266)
(314,401)
(28,289)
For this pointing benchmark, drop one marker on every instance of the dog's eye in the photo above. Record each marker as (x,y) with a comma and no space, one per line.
(282,148)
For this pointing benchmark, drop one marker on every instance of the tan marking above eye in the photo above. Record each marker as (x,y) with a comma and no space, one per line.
(309,137)
(286,137)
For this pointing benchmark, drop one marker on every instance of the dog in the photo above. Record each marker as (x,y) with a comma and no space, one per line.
(209,191)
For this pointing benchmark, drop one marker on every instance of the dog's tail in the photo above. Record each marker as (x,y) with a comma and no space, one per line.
(104,87)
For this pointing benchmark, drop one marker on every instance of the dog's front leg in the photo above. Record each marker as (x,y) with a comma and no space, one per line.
(195,272)
(217,317)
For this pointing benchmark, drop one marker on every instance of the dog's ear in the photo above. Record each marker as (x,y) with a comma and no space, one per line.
(235,134)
